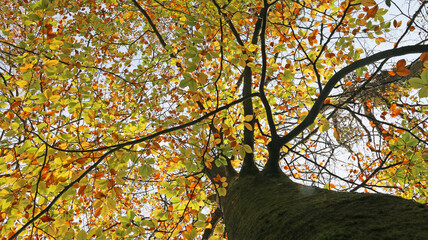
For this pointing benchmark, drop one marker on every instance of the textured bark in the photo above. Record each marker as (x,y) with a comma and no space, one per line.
(273,207)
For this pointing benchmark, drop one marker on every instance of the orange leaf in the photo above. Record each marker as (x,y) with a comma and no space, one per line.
(97,212)
(81,190)
(368,104)
(403,72)
(15,104)
(380,40)
(371,13)
(336,134)
(391,73)
(327,101)
(348,83)
(424,57)
(397,24)
(99,175)
(368,3)
(118,191)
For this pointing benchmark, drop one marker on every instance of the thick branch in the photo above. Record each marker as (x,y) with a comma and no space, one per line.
(156,134)
(316,108)
(229,22)
(263,98)
(215,218)
(248,166)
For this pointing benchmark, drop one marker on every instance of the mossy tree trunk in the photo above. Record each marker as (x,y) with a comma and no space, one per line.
(266,206)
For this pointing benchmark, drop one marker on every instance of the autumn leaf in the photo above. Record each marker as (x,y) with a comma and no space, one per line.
(247,148)
(401,64)
(46,218)
(368,3)
(424,57)
(401,70)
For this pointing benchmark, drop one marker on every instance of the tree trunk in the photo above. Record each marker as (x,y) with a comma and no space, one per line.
(273,207)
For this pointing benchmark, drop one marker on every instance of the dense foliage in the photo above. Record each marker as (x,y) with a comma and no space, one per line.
(127,119)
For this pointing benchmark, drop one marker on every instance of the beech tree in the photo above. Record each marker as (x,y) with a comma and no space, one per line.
(213,119)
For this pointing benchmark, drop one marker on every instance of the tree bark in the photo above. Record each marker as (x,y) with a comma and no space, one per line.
(266,206)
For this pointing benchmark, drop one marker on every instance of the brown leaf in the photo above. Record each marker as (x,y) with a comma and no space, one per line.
(401,64)
(46,219)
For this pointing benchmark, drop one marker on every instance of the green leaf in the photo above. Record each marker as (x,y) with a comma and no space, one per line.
(191,68)
(189,55)
(45,4)
(221,191)
(14,125)
(417,82)
(388,3)
(82,235)
(193,85)
(197,40)
(424,75)
(131,214)
(247,148)
(423,92)
(200,224)
(220,162)
(145,170)
(325,127)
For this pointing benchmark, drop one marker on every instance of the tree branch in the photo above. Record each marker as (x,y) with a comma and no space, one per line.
(152,25)
(248,166)
(263,98)
(115,148)
(316,108)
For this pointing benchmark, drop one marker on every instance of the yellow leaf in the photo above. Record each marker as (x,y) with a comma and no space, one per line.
(247,148)
(53,47)
(286,147)
(252,47)
(85,144)
(91,114)
(5,126)
(248,118)
(51,63)
(248,126)
(111,203)
(368,3)
(25,68)
(48,93)
(159,235)
(4,192)
(21,83)
(54,98)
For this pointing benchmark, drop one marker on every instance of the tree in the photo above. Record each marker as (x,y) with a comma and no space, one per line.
(189,119)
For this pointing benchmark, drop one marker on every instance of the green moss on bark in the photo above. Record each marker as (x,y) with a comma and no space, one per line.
(273,207)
